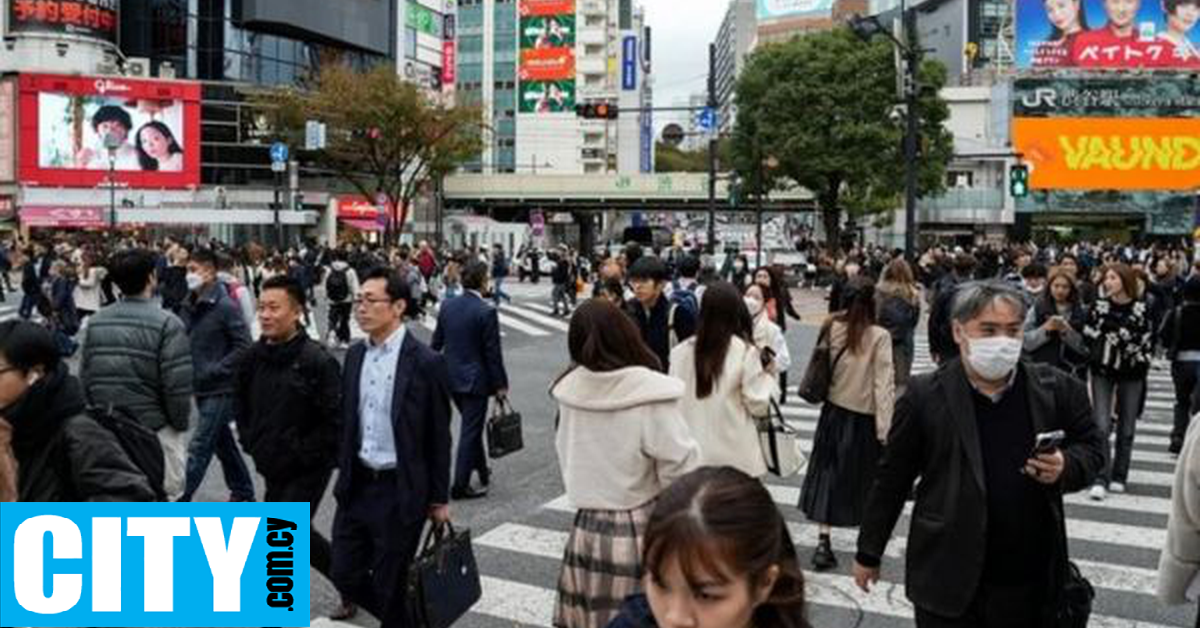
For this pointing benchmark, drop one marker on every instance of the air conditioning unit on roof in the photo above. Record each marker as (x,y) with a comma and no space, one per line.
(138,67)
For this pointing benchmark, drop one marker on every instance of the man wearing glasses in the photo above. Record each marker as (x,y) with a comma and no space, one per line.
(395,451)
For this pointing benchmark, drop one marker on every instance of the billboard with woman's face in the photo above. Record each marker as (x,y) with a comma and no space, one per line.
(75,129)
(1108,34)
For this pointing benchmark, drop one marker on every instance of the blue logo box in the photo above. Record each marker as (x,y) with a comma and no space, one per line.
(154,565)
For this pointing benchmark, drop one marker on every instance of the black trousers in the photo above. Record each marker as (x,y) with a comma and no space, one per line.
(306,488)
(470,456)
(373,548)
(339,320)
(1186,377)
(994,606)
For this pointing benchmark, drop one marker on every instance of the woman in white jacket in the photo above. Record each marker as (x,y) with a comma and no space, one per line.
(87,290)
(729,383)
(1179,564)
(621,440)
(768,337)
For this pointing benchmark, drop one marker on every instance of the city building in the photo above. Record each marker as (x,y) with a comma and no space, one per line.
(528,63)
(735,39)
(972,38)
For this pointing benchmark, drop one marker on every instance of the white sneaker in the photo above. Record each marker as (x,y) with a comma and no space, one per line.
(1098,493)
(1116,487)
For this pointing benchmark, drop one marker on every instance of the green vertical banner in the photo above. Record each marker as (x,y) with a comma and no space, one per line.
(546,65)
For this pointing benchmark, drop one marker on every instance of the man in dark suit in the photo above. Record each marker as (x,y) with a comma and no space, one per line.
(394,458)
(989,514)
(468,332)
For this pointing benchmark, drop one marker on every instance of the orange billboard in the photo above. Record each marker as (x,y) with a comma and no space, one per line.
(1155,154)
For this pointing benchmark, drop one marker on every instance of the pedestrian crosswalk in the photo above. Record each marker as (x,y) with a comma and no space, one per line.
(1115,543)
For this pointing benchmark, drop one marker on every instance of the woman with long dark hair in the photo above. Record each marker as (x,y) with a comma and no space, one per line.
(854,420)
(157,149)
(728,382)
(621,440)
(718,555)
(1054,331)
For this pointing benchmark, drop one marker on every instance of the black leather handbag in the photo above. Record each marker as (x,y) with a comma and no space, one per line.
(504,430)
(443,582)
(1075,605)
(818,376)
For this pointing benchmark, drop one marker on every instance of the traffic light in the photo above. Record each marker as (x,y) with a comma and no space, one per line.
(597,111)
(1018,181)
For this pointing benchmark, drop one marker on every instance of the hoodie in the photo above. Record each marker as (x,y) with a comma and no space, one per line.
(621,437)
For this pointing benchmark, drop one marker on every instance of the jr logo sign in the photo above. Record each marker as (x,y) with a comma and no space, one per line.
(172,565)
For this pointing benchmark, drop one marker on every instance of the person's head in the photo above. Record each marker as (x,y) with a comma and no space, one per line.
(689,267)
(723,315)
(27,354)
(1182,15)
(611,290)
(1066,17)
(1070,265)
(988,319)
(201,269)
(859,313)
(1163,267)
(631,254)
(1033,278)
(611,269)
(762,277)
(1120,281)
(381,302)
(155,143)
(280,308)
(964,265)
(475,275)
(133,271)
(1062,287)
(755,299)
(718,554)
(112,120)
(740,263)
(898,272)
(602,338)
(648,276)
(1122,14)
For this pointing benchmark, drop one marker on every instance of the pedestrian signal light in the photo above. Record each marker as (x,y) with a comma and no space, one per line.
(1018,181)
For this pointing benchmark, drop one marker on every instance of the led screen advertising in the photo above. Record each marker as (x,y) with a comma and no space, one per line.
(86,18)
(74,129)
(546,71)
(781,9)
(1107,34)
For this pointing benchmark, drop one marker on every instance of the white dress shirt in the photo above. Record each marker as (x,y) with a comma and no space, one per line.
(376,387)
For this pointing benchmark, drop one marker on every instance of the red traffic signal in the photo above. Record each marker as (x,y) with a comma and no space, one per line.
(597,111)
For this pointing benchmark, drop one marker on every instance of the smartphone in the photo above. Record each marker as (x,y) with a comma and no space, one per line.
(1046,442)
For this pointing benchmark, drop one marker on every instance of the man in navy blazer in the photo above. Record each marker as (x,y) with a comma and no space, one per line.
(394,457)
(468,333)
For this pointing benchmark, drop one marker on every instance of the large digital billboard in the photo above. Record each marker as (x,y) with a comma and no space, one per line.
(153,126)
(86,18)
(1107,34)
(546,71)
(1107,96)
(1110,153)
(782,9)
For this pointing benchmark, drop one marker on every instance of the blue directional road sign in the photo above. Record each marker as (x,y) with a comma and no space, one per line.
(279,152)
(707,119)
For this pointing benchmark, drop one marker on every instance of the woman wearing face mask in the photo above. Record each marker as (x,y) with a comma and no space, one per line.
(63,455)
(728,382)
(718,555)
(854,421)
(1120,341)
(898,310)
(767,335)
(739,274)
(1053,331)
(778,304)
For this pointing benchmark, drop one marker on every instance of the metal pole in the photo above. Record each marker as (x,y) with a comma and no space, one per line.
(112,190)
(912,56)
(758,247)
(712,153)
(278,204)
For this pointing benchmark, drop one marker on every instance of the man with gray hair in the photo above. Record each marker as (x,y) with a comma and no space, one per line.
(995,443)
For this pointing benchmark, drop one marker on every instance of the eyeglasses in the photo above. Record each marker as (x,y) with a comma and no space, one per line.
(361,301)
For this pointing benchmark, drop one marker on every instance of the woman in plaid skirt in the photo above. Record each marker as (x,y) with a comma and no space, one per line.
(621,439)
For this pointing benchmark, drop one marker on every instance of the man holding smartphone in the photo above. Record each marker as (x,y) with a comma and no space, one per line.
(995,442)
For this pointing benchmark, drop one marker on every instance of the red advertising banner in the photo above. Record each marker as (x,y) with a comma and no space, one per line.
(449,62)
(87,18)
(39,216)
(546,7)
(547,64)
(66,123)
(356,208)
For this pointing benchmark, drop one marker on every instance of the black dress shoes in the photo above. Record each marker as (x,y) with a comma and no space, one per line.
(460,493)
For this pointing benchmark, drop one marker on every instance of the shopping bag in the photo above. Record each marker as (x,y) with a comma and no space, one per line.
(443,581)
(504,430)
(780,444)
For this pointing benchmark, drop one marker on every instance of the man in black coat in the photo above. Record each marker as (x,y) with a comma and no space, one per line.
(468,333)
(988,516)
(663,324)
(394,457)
(287,404)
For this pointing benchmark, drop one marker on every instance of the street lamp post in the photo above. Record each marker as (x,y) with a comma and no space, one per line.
(764,164)
(112,143)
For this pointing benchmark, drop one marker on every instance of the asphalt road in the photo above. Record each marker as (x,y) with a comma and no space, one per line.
(520,528)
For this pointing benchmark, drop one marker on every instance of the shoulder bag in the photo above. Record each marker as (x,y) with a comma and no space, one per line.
(780,444)
(504,430)
(818,376)
(443,581)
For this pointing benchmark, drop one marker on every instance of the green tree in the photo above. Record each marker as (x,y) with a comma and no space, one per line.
(669,158)
(823,109)
(384,135)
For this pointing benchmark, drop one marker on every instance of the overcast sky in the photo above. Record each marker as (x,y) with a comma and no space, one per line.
(682,30)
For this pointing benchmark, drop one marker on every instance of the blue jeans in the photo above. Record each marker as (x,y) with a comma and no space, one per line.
(1128,395)
(498,292)
(213,435)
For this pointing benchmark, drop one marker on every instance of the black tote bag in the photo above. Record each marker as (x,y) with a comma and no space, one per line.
(443,582)
(504,430)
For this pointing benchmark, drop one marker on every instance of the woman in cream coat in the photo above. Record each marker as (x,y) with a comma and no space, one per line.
(727,383)
(1179,564)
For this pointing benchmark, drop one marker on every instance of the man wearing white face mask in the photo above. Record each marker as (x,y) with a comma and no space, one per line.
(988,513)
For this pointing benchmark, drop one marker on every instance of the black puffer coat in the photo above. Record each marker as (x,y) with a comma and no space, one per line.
(63,455)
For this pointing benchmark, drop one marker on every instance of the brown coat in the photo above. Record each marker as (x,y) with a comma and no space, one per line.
(8,464)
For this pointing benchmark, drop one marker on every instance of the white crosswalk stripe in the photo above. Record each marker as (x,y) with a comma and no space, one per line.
(1115,542)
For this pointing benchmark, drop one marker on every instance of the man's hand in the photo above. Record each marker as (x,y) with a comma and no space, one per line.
(439,513)
(864,577)
(1046,468)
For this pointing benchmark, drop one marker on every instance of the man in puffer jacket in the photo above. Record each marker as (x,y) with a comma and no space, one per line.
(63,454)
(136,356)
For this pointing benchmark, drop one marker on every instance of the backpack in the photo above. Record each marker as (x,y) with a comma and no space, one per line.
(686,299)
(138,442)
(231,288)
(337,286)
